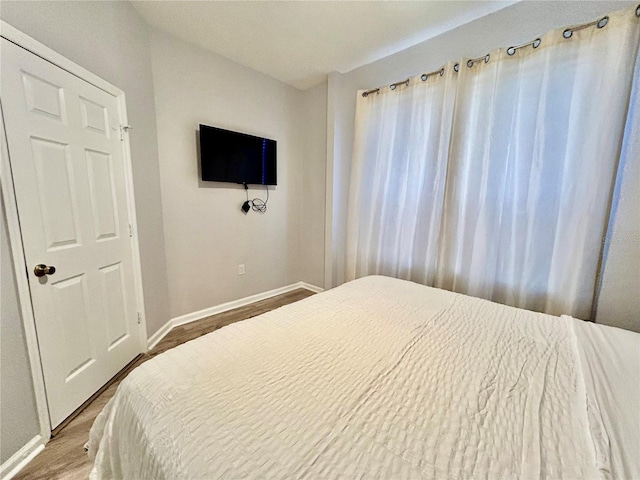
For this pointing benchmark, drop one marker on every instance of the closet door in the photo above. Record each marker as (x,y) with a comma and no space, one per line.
(67,161)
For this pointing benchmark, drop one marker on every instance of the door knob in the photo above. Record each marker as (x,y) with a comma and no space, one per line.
(41,270)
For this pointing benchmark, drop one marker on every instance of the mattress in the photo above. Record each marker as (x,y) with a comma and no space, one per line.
(381,378)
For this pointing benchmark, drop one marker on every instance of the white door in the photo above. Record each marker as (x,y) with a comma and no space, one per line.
(68,167)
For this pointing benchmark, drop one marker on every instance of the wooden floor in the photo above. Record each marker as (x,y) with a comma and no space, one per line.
(64,456)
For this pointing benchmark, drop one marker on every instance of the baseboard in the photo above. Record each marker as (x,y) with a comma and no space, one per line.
(162,332)
(308,286)
(224,307)
(19,460)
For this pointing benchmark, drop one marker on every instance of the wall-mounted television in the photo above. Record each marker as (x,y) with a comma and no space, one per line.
(235,157)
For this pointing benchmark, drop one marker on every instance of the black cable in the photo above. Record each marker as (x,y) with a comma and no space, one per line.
(256,204)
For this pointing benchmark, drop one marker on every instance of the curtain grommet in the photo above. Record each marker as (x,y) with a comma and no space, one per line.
(456,67)
(638,11)
(425,76)
(603,22)
(486,59)
(392,87)
(567,33)
(535,44)
(469,63)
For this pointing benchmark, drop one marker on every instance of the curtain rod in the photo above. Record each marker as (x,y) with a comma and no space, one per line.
(567,33)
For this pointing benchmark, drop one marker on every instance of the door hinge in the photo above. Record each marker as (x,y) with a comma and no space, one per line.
(124,129)
(130,230)
(139,319)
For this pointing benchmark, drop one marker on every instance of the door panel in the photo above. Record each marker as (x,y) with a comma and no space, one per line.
(43,97)
(103,195)
(70,182)
(56,195)
(70,302)
(94,117)
(113,292)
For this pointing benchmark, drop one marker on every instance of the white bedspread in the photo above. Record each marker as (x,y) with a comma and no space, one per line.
(378,378)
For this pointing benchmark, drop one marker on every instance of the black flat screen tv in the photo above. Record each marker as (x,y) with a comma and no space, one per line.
(234,157)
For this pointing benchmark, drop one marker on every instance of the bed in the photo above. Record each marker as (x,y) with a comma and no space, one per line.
(381,378)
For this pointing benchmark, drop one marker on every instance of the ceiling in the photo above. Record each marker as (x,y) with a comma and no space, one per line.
(300,42)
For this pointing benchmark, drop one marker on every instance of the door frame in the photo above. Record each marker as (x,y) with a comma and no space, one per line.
(13,221)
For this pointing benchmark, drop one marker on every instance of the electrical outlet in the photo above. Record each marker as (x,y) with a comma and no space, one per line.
(241,269)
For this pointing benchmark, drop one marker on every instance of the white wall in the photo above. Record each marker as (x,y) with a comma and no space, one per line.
(206,234)
(111,40)
(312,211)
(513,25)
(18,414)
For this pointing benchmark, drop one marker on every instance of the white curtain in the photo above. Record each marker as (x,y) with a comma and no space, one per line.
(496,181)
(618,300)
(398,179)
